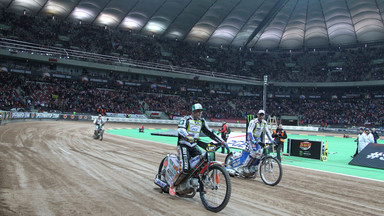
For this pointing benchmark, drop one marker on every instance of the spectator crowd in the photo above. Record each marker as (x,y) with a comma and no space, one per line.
(358,63)
(173,96)
(66,95)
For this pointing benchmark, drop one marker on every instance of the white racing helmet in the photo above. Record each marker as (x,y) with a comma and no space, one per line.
(261,112)
(197,107)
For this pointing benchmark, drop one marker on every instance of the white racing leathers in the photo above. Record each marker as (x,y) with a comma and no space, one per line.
(255,129)
(97,122)
(363,141)
(190,127)
(371,139)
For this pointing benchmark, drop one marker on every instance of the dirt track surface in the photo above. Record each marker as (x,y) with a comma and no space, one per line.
(56,168)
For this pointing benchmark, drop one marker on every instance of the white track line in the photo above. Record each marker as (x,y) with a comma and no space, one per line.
(334,173)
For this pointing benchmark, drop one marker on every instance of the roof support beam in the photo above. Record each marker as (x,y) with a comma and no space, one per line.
(326,23)
(379,11)
(190,29)
(122,19)
(42,7)
(305,24)
(181,11)
(149,19)
(266,20)
(353,24)
(77,4)
(9,5)
(245,23)
(285,27)
(222,20)
(100,11)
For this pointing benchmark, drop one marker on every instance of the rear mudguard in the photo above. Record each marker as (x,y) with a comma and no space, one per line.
(216,162)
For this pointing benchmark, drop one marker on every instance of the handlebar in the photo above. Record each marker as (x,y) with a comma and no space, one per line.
(266,145)
(211,147)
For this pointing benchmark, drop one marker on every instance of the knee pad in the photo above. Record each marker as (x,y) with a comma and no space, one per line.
(252,154)
(184,159)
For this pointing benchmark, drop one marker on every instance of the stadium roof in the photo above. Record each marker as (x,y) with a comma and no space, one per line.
(260,24)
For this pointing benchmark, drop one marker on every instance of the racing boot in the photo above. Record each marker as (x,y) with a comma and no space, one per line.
(248,161)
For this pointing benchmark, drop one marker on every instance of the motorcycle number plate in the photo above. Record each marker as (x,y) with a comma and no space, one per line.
(236,162)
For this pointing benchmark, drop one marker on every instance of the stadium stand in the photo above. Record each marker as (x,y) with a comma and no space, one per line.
(315,106)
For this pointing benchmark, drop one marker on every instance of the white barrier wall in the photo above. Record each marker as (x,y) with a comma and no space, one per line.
(175,122)
(6,116)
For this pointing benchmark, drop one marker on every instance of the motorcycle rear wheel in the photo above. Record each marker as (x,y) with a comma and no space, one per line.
(215,188)
(161,176)
(228,160)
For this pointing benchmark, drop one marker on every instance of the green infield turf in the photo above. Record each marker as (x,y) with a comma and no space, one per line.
(340,151)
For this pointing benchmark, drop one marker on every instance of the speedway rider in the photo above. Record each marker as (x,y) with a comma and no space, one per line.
(224,135)
(189,129)
(97,122)
(256,127)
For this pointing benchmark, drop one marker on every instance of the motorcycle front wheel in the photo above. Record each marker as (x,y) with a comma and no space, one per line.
(215,188)
(271,171)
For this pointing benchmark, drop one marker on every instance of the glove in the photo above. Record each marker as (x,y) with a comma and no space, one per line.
(190,139)
(210,147)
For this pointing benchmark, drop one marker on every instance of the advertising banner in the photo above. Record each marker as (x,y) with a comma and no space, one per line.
(137,116)
(20,115)
(154,114)
(177,117)
(120,115)
(306,148)
(81,117)
(69,117)
(98,80)
(21,71)
(47,115)
(229,120)
(237,140)
(62,76)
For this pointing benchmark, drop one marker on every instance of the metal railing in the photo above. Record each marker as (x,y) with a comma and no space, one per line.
(62,53)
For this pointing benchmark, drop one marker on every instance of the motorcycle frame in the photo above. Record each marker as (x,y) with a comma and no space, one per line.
(204,165)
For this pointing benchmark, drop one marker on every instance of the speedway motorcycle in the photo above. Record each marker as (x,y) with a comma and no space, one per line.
(206,176)
(270,168)
(99,133)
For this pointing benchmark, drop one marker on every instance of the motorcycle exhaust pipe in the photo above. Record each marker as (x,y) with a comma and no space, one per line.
(231,172)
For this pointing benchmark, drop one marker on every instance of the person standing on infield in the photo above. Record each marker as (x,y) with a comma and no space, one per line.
(224,135)
(279,136)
